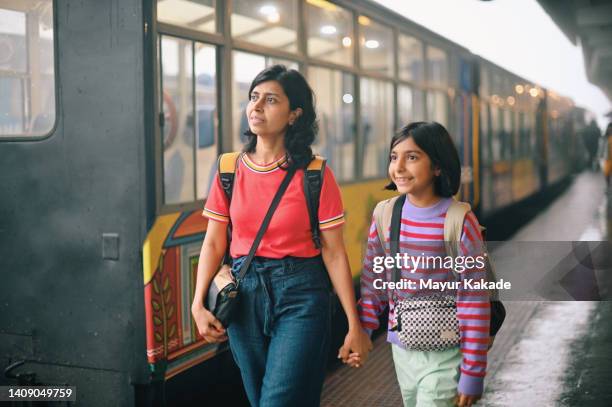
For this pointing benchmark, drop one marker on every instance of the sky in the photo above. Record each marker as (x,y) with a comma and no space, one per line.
(515,34)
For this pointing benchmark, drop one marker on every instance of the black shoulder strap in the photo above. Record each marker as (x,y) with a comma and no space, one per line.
(394,235)
(226,167)
(313,182)
(264,224)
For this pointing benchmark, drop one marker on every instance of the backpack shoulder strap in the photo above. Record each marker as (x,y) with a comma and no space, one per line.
(313,182)
(382,217)
(394,234)
(226,167)
(453,226)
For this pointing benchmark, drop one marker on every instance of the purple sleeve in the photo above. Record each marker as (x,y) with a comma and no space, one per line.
(373,301)
(473,312)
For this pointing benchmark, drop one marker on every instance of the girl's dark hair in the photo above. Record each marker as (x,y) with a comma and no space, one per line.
(299,136)
(434,140)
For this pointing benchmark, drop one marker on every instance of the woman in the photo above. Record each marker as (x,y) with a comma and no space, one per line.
(280,335)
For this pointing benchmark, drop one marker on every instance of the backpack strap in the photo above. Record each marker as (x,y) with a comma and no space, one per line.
(226,167)
(453,229)
(382,218)
(313,182)
(453,226)
(394,234)
(388,215)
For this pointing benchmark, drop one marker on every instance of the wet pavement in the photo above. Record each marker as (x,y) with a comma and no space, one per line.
(548,353)
(588,378)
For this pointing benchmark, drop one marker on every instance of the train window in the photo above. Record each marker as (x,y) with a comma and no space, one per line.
(523,130)
(410,105)
(376,124)
(330,32)
(437,107)
(205,117)
(27,74)
(485,82)
(508,135)
(335,93)
(496,82)
(496,130)
(264,22)
(375,46)
(437,66)
(410,59)
(485,132)
(533,127)
(246,68)
(193,14)
(178,130)
(189,129)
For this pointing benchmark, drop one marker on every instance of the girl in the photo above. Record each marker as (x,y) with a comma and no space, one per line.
(424,165)
(280,335)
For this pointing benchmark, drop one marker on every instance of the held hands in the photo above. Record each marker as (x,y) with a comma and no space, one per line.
(465,400)
(208,326)
(357,345)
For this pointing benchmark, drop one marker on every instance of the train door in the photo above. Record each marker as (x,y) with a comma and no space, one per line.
(187,142)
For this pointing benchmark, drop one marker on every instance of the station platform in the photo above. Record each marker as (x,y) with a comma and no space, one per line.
(548,353)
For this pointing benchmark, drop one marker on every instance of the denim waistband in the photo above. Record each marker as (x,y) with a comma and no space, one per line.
(269,261)
(285,265)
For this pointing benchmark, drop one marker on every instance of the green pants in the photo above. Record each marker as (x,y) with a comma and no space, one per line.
(427,378)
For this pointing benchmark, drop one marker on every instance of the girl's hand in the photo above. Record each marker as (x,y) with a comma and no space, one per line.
(464,400)
(348,358)
(357,345)
(354,360)
(208,326)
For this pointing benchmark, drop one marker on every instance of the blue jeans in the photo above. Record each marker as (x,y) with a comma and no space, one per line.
(280,333)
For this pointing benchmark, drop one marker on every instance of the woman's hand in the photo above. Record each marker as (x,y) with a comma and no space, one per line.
(465,400)
(208,326)
(357,345)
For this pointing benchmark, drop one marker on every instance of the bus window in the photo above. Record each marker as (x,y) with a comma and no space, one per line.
(27,74)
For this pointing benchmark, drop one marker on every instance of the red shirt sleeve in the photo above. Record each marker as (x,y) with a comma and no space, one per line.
(217,205)
(331,210)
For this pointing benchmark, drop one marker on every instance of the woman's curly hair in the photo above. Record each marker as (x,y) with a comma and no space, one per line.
(299,136)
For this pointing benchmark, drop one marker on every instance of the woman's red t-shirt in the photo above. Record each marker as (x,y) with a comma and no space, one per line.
(289,231)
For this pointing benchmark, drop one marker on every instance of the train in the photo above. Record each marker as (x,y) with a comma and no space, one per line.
(112,115)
